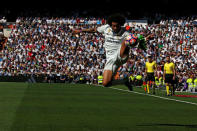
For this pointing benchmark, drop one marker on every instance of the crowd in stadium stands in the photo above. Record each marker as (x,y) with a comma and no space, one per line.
(47,46)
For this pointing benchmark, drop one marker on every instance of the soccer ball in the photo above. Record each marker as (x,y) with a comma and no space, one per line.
(131,40)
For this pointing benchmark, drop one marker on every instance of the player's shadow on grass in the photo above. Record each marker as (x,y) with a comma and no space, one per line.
(180,125)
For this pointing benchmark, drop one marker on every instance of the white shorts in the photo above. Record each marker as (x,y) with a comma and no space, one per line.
(114,62)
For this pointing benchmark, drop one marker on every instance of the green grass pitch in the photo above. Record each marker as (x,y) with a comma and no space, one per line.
(78,107)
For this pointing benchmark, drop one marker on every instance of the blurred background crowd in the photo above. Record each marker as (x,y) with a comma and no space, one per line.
(47,46)
(42,43)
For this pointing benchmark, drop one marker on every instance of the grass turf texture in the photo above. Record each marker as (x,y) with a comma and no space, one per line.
(74,107)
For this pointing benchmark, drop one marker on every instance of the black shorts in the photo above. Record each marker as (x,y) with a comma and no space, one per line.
(169,78)
(150,77)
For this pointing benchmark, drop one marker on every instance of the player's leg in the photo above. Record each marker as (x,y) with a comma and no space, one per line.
(153,84)
(171,84)
(144,86)
(124,50)
(109,81)
(167,81)
(107,78)
(167,89)
(148,86)
(149,79)
(174,88)
(113,64)
(170,88)
(110,69)
(123,57)
(152,78)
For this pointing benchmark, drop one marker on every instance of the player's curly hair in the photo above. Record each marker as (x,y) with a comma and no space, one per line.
(118,18)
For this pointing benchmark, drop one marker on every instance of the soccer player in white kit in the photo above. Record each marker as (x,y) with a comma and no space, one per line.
(117,49)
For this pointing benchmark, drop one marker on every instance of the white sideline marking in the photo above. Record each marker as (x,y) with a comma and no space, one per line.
(155,96)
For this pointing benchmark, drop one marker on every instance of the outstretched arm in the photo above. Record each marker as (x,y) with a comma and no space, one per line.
(90,30)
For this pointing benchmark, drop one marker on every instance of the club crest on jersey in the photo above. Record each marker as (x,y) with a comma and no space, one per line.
(109,30)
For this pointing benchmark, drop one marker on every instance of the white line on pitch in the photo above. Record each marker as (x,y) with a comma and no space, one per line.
(155,96)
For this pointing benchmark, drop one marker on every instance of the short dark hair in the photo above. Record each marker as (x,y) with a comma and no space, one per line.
(120,19)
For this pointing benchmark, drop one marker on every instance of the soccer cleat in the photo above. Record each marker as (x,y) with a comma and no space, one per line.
(128,84)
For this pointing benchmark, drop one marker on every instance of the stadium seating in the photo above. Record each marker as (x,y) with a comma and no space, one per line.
(47,46)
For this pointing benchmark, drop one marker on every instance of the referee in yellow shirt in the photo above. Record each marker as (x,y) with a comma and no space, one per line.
(150,69)
(169,75)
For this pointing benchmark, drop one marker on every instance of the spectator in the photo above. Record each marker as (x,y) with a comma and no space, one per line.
(46,46)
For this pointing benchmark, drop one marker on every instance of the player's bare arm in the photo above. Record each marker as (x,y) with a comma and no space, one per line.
(90,30)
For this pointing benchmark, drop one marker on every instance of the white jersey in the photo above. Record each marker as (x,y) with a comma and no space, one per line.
(112,40)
